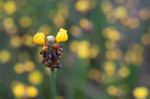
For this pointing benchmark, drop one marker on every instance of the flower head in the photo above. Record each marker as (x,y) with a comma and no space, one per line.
(51,51)
(39,38)
(62,35)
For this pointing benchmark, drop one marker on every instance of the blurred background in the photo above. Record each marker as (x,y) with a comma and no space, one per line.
(107,55)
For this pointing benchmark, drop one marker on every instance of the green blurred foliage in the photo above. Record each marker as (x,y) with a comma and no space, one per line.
(103,58)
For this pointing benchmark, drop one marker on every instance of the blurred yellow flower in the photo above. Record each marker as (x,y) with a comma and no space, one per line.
(35,77)
(19,68)
(39,38)
(82,5)
(5,56)
(27,40)
(85,5)
(113,54)
(112,90)
(18,89)
(106,7)
(59,20)
(62,35)
(29,66)
(84,49)
(75,31)
(25,21)
(9,25)
(15,41)
(144,13)
(94,74)
(81,48)
(133,22)
(140,92)
(10,7)
(32,91)
(21,90)
(94,51)
(145,39)
(85,23)
(8,22)
(112,34)
(45,28)
(120,12)
(109,68)
(134,55)
(123,71)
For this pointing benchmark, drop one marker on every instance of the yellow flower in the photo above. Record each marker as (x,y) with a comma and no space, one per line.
(35,77)
(5,56)
(141,92)
(32,91)
(82,5)
(10,7)
(62,35)
(18,90)
(39,38)
(112,90)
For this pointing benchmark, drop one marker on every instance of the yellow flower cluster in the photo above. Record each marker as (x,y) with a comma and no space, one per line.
(20,90)
(39,38)
(61,35)
(84,49)
(25,67)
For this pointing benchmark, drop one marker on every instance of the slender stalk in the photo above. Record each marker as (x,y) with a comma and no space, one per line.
(53,83)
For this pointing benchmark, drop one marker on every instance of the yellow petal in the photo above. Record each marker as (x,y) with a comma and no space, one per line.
(39,38)
(62,35)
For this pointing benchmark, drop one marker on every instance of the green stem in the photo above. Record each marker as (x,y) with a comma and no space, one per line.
(53,83)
